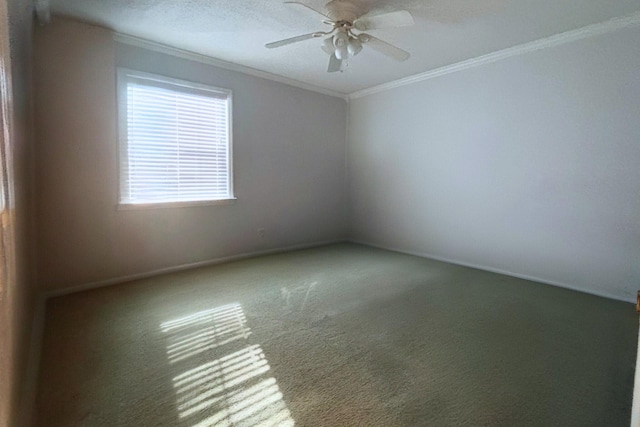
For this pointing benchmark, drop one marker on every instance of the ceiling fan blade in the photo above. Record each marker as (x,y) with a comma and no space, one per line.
(400,18)
(335,64)
(293,40)
(324,15)
(384,47)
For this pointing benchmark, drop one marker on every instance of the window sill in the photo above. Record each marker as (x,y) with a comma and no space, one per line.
(164,205)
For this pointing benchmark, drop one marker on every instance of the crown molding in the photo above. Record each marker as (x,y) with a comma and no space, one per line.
(589,31)
(203,59)
(612,25)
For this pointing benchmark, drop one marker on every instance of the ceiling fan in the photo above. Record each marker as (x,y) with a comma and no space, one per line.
(346,17)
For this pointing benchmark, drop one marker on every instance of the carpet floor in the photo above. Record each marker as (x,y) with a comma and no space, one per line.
(340,335)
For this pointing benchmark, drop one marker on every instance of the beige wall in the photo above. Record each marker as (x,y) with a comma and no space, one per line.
(288,165)
(20,291)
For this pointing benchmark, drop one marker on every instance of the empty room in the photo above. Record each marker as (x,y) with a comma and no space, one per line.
(311,213)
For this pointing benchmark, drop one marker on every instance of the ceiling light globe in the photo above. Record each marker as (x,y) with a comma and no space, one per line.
(340,40)
(342,53)
(328,46)
(354,47)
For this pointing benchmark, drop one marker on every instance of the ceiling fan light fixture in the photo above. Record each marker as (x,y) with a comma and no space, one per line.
(354,47)
(342,52)
(327,46)
(341,40)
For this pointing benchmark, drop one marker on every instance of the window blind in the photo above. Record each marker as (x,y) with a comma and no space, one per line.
(176,143)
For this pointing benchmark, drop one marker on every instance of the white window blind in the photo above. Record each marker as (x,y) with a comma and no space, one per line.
(175,140)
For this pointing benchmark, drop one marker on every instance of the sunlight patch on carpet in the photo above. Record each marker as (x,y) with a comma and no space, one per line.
(234,388)
(205,330)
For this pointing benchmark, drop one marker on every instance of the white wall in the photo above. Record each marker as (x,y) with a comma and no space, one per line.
(289,147)
(530,165)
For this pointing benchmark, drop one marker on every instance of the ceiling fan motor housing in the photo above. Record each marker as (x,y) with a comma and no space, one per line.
(345,10)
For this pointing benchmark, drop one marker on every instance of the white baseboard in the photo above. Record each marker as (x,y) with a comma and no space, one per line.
(492,270)
(30,386)
(635,407)
(147,274)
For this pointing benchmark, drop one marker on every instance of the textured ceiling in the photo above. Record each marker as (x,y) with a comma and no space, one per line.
(446,31)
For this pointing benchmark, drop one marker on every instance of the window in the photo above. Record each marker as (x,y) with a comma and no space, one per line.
(175,141)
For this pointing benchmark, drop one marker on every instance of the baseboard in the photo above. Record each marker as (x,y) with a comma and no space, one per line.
(635,407)
(491,270)
(206,263)
(30,385)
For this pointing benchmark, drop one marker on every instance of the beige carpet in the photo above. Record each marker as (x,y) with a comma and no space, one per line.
(336,336)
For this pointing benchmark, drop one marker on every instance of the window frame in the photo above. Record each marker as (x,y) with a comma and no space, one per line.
(123,76)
